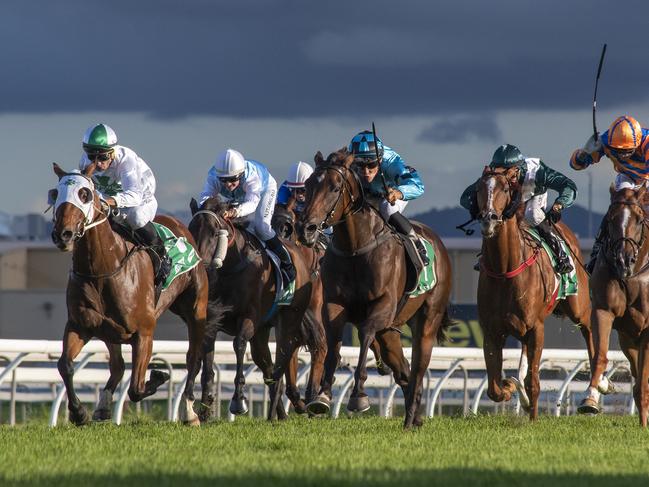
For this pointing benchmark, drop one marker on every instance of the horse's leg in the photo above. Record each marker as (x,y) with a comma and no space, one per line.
(239,403)
(264,361)
(381,366)
(534,340)
(196,335)
(73,342)
(335,319)
(103,411)
(602,323)
(632,353)
(292,390)
(392,352)
(643,381)
(493,356)
(138,389)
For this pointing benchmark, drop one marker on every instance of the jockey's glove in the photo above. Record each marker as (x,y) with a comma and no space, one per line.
(553,215)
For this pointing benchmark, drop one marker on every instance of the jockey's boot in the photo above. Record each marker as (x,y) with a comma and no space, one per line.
(287,267)
(563,265)
(404,227)
(597,244)
(156,249)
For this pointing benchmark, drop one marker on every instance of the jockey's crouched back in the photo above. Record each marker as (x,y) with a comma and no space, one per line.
(534,180)
(249,186)
(127,183)
(384,174)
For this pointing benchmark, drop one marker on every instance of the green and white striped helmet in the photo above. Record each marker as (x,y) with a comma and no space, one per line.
(99,137)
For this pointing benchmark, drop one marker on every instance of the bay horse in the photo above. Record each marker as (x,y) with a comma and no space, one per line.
(245,284)
(516,289)
(364,278)
(110,296)
(619,288)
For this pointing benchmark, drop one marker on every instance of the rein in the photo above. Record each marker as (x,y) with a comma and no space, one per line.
(346,186)
(513,273)
(613,245)
(220,220)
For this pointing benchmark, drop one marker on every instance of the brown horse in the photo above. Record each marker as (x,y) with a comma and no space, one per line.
(516,289)
(111,296)
(619,288)
(364,277)
(244,281)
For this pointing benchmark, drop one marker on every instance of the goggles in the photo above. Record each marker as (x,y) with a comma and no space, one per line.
(366,163)
(622,153)
(99,156)
(230,179)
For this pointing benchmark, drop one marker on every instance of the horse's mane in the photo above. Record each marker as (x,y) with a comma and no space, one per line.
(338,157)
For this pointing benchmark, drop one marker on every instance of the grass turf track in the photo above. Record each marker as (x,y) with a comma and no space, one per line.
(484,450)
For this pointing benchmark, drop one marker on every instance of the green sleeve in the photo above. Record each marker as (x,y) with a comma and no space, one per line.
(469,197)
(551,179)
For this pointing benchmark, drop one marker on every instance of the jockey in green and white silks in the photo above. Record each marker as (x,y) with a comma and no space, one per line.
(125,182)
(534,180)
(390,170)
(250,187)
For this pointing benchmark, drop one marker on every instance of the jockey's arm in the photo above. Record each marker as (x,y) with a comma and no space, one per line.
(252,188)
(405,177)
(590,154)
(211,186)
(558,182)
(132,193)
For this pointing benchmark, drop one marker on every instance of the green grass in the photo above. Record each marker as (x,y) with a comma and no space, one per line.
(496,450)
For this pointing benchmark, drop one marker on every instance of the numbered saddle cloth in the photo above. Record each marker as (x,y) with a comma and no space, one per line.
(564,284)
(427,278)
(182,254)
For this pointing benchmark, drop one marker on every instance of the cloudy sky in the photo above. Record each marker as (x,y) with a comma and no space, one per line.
(180,80)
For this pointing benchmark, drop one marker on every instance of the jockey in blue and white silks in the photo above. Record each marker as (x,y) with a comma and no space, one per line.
(126,182)
(402,182)
(249,186)
(293,187)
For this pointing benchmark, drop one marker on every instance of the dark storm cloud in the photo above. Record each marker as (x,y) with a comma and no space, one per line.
(462,129)
(288,58)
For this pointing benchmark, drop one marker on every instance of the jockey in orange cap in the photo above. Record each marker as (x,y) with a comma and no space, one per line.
(626,144)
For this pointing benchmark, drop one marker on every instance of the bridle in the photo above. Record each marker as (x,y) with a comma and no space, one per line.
(220,221)
(355,203)
(614,246)
(514,202)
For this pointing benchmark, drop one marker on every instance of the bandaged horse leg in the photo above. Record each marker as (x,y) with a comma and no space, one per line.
(103,410)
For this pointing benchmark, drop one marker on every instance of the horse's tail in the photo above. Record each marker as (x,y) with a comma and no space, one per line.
(312,332)
(446,323)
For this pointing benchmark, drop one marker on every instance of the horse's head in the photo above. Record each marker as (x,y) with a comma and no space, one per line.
(498,198)
(626,229)
(283,221)
(76,206)
(331,192)
(211,230)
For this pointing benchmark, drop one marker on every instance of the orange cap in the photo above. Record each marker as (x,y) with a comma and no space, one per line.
(624,133)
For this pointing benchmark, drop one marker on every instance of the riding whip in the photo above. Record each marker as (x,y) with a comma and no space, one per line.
(376,151)
(599,71)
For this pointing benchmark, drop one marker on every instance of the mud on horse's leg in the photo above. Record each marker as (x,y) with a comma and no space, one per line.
(103,410)
(73,342)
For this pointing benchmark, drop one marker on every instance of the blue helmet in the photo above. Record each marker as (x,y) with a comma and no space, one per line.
(363,145)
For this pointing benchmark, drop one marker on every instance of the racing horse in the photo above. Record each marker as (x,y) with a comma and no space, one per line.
(619,288)
(110,296)
(364,276)
(517,289)
(243,286)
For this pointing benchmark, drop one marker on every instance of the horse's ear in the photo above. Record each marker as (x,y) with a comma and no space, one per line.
(485,170)
(193,205)
(58,171)
(611,190)
(318,159)
(344,150)
(349,158)
(90,169)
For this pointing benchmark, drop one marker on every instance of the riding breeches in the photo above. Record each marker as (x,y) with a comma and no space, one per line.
(264,213)
(138,216)
(388,210)
(535,209)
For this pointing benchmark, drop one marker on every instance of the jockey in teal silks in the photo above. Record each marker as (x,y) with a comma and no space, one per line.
(534,180)
(390,179)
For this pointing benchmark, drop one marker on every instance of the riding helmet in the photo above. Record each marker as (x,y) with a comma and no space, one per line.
(99,137)
(506,156)
(624,133)
(363,145)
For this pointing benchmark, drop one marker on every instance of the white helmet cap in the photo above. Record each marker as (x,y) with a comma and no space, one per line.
(298,174)
(229,163)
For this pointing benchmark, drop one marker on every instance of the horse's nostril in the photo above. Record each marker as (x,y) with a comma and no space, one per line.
(66,235)
(493,216)
(311,227)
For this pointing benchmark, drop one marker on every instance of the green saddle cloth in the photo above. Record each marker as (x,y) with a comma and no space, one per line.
(182,254)
(427,277)
(568,282)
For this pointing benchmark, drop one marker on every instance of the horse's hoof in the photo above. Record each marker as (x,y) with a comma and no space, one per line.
(300,407)
(79,417)
(320,405)
(522,393)
(239,406)
(195,421)
(358,404)
(204,412)
(383,369)
(158,377)
(102,415)
(588,406)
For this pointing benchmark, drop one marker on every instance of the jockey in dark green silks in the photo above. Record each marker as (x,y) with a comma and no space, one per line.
(390,179)
(126,182)
(534,180)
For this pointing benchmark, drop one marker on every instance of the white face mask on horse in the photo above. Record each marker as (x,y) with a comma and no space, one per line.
(69,191)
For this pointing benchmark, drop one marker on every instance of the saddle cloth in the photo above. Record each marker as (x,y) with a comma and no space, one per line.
(182,254)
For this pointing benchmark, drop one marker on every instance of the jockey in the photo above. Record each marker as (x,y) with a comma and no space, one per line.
(126,182)
(626,144)
(390,179)
(534,179)
(252,190)
(294,186)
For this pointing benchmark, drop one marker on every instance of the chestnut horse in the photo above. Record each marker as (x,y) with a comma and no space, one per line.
(242,280)
(516,289)
(619,288)
(364,277)
(111,296)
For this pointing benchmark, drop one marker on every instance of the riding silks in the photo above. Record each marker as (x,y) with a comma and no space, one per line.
(567,282)
(182,254)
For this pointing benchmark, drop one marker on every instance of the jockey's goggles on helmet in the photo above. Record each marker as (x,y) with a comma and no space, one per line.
(230,179)
(102,156)
(365,163)
(622,153)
